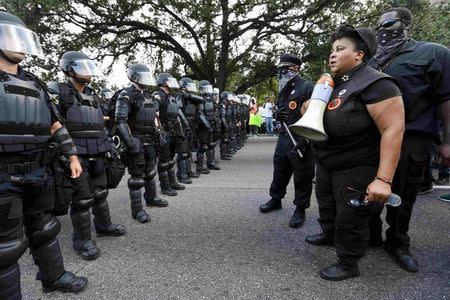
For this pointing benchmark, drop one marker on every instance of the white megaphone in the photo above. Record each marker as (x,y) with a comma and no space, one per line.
(310,125)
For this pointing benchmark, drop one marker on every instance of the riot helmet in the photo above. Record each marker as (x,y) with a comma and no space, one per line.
(16,40)
(53,87)
(189,85)
(106,93)
(205,87)
(78,65)
(216,95)
(227,96)
(165,79)
(140,74)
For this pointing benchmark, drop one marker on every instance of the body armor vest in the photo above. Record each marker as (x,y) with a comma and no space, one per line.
(168,108)
(25,116)
(145,108)
(84,120)
(209,109)
(348,124)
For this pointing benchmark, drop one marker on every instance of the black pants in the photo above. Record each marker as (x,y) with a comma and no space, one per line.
(409,176)
(27,207)
(348,224)
(285,163)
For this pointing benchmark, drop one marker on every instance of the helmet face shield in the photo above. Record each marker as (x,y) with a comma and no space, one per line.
(191,87)
(206,89)
(108,95)
(172,83)
(85,67)
(144,78)
(19,39)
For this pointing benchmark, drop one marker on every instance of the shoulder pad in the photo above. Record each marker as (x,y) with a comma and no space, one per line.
(124,94)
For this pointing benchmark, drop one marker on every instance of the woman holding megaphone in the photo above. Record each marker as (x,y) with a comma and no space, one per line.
(363,125)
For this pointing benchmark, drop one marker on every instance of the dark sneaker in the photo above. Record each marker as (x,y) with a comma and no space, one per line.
(445,197)
(339,272)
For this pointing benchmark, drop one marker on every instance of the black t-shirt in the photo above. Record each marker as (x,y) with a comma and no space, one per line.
(380,90)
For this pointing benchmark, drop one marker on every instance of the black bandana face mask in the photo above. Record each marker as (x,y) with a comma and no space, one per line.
(389,43)
(284,76)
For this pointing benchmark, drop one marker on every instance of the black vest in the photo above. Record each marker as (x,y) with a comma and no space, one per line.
(143,111)
(168,108)
(25,116)
(84,119)
(209,109)
(353,137)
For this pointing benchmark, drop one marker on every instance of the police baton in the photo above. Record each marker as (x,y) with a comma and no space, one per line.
(292,138)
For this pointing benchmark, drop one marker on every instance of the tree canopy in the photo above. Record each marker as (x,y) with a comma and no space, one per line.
(233,44)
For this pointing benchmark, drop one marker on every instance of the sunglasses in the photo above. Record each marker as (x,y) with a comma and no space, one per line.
(356,197)
(388,23)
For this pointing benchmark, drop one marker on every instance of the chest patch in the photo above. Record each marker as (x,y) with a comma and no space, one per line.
(292,105)
(334,104)
(342,92)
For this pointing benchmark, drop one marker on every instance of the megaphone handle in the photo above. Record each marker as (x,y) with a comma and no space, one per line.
(292,138)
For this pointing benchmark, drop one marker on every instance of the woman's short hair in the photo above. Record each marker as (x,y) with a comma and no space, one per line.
(348,31)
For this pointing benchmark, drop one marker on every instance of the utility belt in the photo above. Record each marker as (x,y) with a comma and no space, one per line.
(12,168)
(86,133)
(25,147)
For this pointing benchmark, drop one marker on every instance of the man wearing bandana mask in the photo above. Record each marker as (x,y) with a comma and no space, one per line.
(293,91)
(423,72)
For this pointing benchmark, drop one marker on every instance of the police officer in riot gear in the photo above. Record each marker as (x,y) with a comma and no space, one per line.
(27,195)
(169,113)
(225,124)
(81,108)
(105,95)
(137,125)
(293,91)
(210,113)
(190,102)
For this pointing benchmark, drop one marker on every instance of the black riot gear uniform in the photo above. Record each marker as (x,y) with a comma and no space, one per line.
(84,120)
(27,194)
(206,130)
(188,102)
(136,124)
(224,114)
(286,161)
(169,113)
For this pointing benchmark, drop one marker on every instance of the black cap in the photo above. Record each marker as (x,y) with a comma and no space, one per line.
(369,37)
(288,59)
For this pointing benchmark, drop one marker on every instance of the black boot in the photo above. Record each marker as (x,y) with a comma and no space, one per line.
(66,283)
(173,181)
(150,195)
(182,172)
(189,171)
(403,258)
(82,239)
(51,273)
(102,219)
(210,162)
(165,184)
(199,164)
(298,219)
(272,204)
(137,210)
(320,239)
(10,282)
(339,271)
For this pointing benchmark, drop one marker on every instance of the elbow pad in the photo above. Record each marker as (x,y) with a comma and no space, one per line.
(65,142)
(121,113)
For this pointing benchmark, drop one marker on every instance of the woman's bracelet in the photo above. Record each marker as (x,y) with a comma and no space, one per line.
(384,180)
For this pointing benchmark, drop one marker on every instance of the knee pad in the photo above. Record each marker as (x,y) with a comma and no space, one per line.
(82,203)
(135,183)
(149,176)
(101,193)
(11,251)
(202,148)
(171,164)
(46,231)
(185,156)
(163,166)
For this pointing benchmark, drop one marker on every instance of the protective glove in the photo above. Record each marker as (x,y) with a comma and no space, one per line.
(281,115)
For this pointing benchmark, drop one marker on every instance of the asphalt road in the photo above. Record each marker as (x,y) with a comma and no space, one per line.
(212,243)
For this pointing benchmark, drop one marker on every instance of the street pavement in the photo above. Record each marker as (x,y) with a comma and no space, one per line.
(212,243)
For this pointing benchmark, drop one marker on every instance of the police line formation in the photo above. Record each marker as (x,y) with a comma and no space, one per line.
(155,124)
